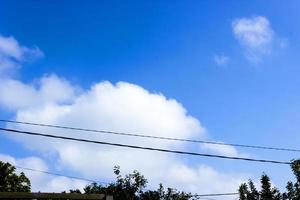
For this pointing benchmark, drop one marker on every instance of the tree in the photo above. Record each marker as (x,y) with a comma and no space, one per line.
(243,191)
(291,193)
(153,194)
(267,192)
(132,186)
(253,194)
(125,188)
(249,192)
(12,182)
(293,189)
(172,194)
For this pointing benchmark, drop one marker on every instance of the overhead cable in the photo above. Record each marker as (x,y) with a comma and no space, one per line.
(144,148)
(154,137)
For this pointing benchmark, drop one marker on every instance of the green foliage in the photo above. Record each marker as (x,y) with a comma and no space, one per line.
(12,182)
(128,187)
(296,169)
(132,186)
(169,194)
(293,189)
(249,192)
(254,194)
(172,194)
(266,191)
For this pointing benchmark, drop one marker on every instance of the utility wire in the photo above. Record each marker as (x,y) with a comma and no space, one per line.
(57,174)
(217,194)
(143,148)
(154,137)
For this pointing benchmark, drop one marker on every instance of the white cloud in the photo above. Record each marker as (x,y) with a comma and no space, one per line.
(12,54)
(221,60)
(253,32)
(40,181)
(47,90)
(219,149)
(225,150)
(122,107)
(256,35)
(206,178)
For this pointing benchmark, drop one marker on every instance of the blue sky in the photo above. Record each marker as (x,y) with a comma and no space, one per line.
(250,96)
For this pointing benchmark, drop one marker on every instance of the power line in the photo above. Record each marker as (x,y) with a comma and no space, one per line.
(154,137)
(216,194)
(144,148)
(206,198)
(57,174)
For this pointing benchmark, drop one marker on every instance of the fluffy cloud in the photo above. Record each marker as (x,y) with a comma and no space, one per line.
(221,60)
(253,32)
(40,181)
(47,90)
(122,107)
(12,54)
(256,35)
(223,150)
(191,179)
(119,107)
